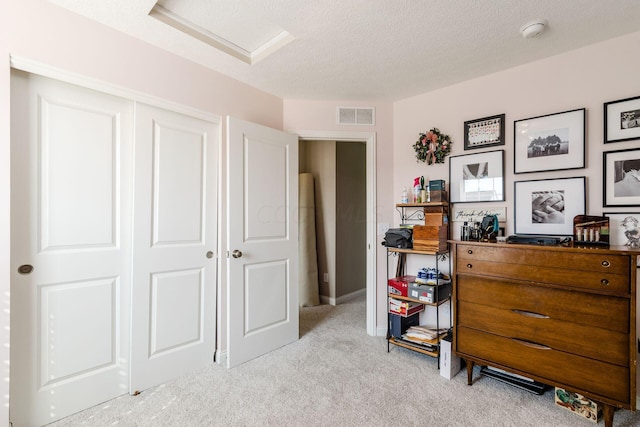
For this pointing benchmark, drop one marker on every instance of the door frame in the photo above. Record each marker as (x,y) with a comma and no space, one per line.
(369,139)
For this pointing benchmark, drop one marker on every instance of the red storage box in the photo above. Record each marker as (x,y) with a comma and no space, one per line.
(400,285)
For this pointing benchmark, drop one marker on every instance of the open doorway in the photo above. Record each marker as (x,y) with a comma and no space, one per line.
(338,169)
(347,214)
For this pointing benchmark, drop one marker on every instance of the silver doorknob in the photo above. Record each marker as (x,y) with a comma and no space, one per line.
(236,254)
(210,254)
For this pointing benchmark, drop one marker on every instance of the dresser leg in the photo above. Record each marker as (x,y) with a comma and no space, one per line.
(469,372)
(607,414)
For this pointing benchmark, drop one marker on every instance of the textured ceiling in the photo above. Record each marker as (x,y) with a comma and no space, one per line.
(380,49)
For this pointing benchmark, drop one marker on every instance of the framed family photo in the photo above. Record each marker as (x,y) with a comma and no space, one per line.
(485,132)
(621,177)
(547,206)
(622,120)
(551,142)
(477,177)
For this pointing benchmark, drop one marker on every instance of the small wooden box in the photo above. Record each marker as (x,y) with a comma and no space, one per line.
(430,232)
(430,238)
(438,196)
(434,218)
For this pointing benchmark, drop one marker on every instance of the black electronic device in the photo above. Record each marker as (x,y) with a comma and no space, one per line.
(534,240)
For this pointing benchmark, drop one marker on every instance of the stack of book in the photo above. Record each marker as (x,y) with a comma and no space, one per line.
(424,337)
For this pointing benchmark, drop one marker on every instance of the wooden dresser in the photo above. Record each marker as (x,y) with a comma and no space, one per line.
(563,316)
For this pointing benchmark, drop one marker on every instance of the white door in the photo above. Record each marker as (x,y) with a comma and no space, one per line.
(174,247)
(262,266)
(70,204)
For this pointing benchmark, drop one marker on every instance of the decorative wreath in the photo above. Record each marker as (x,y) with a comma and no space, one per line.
(432,147)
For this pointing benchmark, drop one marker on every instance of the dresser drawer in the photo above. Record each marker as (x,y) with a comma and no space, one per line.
(598,281)
(591,310)
(603,263)
(574,338)
(549,365)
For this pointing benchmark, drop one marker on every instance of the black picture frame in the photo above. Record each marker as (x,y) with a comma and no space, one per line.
(484,132)
(621,177)
(622,120)
(548,206)
(550,142)
(477,177)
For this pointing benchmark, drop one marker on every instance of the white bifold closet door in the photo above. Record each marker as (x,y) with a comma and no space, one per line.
(174,249)
(101,257)
(71,152)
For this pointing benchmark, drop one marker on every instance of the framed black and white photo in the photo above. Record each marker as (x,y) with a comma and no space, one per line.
(485,132)
(624,228)
(547,206)
(621,177)
(477,177)
(551,142)
(622,120)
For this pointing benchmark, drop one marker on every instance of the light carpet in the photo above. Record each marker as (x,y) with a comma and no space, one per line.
(335,375)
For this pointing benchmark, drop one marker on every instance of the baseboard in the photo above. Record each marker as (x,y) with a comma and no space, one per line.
(381,332)
(327,300)
(344,298)
(220,357)
(352,295)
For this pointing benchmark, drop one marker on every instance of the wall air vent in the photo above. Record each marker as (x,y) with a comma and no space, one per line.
(356,116)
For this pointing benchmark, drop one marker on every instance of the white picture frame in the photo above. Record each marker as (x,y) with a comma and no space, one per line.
(477,177)
(548,206)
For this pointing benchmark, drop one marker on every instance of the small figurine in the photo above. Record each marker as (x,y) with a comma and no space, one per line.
(630,225)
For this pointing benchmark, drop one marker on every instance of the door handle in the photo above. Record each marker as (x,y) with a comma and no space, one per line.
(236,254)
(210,254)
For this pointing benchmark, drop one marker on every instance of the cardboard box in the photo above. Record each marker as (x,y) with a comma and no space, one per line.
(426,293)
(400,285)
(398,325)
(450,364)
(578,404)
(404,308)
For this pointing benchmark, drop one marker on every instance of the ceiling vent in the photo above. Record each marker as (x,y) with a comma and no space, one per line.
(356,116)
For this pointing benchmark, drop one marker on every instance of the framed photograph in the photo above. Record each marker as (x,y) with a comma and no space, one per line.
(621,178)
(485,132)
(624,228)
(547,206)
(622,120)
(549,143)
(477,177)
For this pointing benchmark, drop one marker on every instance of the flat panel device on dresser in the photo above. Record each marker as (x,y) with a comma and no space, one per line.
(563,316)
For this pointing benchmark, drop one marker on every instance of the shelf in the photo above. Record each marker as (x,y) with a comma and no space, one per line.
(421,205)
(415,347)
(414,251)
(432,304)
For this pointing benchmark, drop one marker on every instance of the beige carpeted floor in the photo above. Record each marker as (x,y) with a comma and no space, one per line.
(335,375)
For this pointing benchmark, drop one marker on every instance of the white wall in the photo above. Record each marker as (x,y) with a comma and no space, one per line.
(584,78)
(42,32)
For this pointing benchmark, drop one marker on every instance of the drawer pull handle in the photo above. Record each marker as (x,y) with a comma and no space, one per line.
(469,251)
(531,344)
(530,314)
(606,263)
(605,282)
(469,266)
